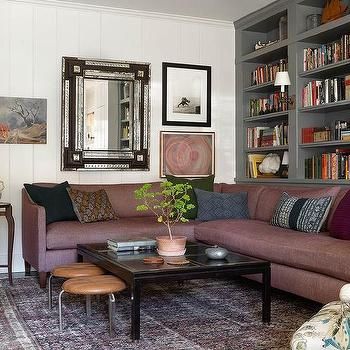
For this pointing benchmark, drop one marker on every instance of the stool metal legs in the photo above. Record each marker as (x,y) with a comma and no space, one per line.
(60,309)
(111,310)
(50,291)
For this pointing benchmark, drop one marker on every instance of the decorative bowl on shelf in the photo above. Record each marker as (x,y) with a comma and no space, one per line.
(216,253)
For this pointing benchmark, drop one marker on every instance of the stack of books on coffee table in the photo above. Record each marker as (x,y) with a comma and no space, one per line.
(141,243)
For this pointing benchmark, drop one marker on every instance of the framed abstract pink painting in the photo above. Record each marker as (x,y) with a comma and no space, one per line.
(187,154)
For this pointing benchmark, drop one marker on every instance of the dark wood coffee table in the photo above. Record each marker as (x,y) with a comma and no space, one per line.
(131,268)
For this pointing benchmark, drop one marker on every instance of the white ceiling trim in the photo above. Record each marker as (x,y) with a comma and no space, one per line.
(128,12)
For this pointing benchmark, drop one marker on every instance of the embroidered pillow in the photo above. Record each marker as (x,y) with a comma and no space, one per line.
(216,206)
(301,214)
(92,206)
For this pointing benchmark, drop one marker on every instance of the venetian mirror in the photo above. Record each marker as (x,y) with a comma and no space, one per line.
(105,114)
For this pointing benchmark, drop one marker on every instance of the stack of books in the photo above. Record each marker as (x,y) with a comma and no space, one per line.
(141,243)
(318,92)
(329,166)
(309,135)
(264,136)
(266,73)
(328,53)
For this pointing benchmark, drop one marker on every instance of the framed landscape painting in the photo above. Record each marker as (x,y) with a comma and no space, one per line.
(186,94)
(23,120)
(187,154)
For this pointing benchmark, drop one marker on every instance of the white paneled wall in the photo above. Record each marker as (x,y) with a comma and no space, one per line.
(34,35)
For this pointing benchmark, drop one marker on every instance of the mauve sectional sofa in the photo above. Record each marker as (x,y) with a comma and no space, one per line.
(314,266)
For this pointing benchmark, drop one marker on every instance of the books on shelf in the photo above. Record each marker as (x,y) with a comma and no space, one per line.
(329,166)
(318,92)
(139,243)
(310,135)
(327,53)
(265,136)
(266,73)
(270,104)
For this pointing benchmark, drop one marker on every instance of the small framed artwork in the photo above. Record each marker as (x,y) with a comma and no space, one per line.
(187,154)
(186,94)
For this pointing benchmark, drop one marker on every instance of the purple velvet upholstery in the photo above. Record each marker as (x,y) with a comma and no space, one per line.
(67,234)
(340,224)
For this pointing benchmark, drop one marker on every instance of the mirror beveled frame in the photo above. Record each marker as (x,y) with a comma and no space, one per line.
(74,156)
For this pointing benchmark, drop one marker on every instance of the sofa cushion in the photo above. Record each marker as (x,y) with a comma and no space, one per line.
(67,234)
(91,206)
(215,206)
(55,200)
(253,191)
(340,224)
(203,183)
(270,196)
(302,214)
(318,253)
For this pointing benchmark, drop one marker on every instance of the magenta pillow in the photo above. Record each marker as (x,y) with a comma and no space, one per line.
(340,224)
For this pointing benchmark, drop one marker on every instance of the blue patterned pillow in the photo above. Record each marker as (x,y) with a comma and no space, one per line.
(215,205)
(301,214)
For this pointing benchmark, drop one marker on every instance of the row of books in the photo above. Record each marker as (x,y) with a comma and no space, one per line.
(270,104)
(340,132)
(328,53)
(267,72)
(264,136)
(318,92)
(329,166)
(309,135)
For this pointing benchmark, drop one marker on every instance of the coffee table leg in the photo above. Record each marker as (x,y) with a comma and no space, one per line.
(135,311)
(266,308)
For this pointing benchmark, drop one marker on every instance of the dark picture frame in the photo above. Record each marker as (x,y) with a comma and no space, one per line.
(186,95)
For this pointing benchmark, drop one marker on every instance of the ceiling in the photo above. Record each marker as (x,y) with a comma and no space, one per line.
(229,10)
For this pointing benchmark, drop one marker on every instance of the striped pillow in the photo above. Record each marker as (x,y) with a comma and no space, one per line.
(301,214)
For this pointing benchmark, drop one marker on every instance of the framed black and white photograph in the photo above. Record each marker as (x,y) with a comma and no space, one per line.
(186,94)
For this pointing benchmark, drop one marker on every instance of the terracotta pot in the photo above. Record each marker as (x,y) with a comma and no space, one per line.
(171,247)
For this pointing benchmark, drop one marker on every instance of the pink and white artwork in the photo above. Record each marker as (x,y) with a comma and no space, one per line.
(187,154)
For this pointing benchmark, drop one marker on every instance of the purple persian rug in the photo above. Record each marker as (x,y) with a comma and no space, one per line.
(201,314)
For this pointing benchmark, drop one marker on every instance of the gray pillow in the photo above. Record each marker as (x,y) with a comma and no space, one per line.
(216,206)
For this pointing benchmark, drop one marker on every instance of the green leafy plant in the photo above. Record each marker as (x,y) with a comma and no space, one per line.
(169,204)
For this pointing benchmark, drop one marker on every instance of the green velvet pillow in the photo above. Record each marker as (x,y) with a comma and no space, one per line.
(203,183)
(58,206)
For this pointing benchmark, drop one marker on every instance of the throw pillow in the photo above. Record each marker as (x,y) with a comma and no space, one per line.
(203,183)
(302,214)
(216,206)
(340,223)
(55,200)
(92,206)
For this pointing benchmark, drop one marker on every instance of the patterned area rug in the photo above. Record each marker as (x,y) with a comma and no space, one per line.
(201,314)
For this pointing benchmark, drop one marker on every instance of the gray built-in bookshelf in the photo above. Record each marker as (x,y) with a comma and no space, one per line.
(264,25)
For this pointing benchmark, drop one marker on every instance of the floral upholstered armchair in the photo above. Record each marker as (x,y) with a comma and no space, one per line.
(329,328)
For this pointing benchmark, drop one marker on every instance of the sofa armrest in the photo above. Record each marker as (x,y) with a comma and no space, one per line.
(33,233)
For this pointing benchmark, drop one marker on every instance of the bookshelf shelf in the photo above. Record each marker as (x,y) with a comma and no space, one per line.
(328,70)
(266,149)
(268,54)
(266,117)
(325,32)
(327,107)
(269,86)
(263,180)
(324,144)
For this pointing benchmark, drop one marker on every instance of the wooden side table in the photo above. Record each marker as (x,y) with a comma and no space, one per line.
(6,210)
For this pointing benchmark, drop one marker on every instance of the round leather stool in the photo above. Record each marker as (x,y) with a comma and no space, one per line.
(71,271)
(93,285)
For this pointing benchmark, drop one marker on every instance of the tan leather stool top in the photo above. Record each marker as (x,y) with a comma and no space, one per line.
(77,270)
(93,285)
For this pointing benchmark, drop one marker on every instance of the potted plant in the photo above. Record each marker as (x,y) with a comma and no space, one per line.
(169,204)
